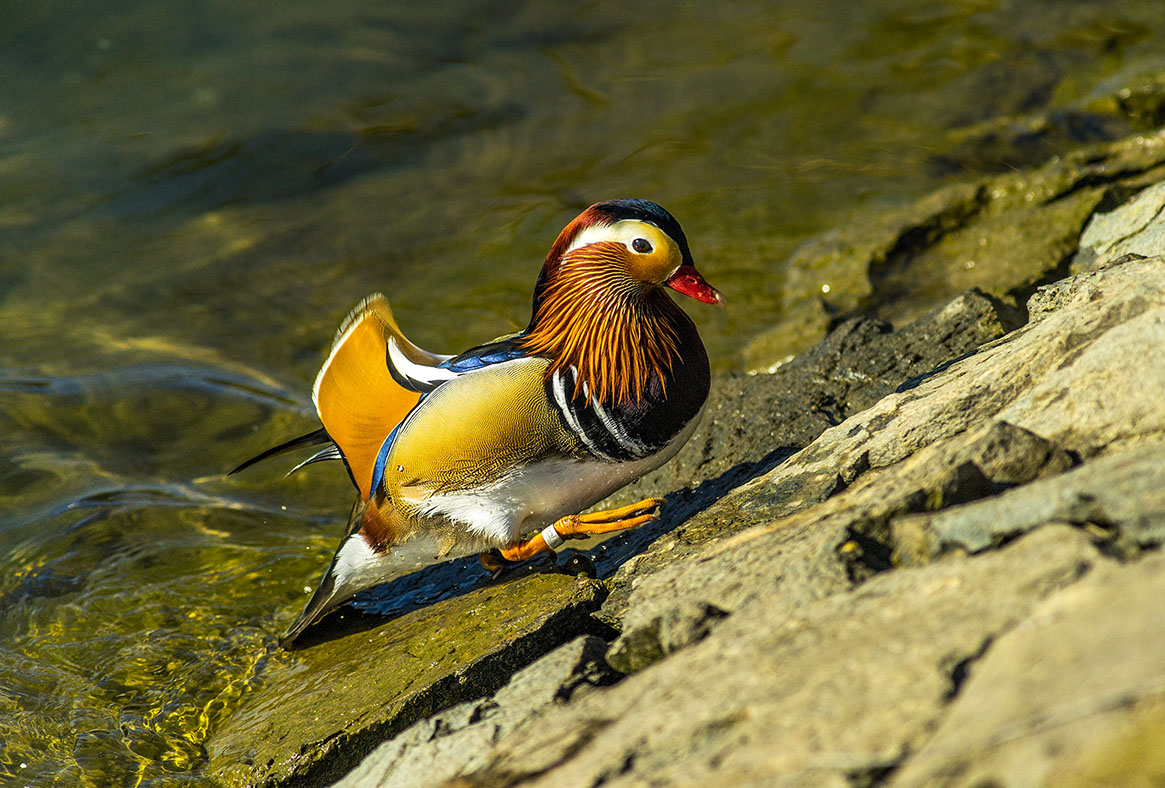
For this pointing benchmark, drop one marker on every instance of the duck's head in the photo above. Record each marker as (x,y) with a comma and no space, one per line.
(628,245)
(600,306)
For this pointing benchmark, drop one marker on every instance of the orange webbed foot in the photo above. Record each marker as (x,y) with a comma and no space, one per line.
(580,526)
(573,526)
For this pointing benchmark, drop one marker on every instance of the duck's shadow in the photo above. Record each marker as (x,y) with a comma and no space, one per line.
(417,590)
(450,579)
(679,507)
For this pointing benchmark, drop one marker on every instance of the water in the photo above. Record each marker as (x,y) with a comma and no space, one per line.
(193,194)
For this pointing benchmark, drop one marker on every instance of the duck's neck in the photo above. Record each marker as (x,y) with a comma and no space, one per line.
(620,335)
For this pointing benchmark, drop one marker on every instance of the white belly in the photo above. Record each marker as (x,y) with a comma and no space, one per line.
(537,495)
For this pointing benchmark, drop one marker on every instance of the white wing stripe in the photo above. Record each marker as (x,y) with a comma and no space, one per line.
(617,432)
(419,372)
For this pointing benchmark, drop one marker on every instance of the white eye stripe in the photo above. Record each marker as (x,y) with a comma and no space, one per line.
(624,232)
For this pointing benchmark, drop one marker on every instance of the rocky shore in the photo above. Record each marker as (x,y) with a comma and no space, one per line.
(916,556)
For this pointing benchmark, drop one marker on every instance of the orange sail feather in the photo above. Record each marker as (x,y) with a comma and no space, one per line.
(356,397)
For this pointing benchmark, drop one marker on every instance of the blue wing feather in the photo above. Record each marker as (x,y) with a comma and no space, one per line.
(496,352)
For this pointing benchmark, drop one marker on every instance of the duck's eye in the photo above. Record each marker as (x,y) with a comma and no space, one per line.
(641,245)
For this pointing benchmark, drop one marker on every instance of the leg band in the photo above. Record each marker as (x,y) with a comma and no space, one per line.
(552,537)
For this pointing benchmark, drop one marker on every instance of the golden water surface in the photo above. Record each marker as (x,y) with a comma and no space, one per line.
(192,195)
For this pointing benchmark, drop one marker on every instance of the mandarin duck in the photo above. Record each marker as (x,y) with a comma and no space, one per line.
(499,448)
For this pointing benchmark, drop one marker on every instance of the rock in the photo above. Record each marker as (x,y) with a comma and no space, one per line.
(1050,695)
(1121,495)
(836,690)
(830,546)
(1128,751)
(319,710)
(439,748)
(1136,228)
(671,607)
(1005,235)
(1106,390)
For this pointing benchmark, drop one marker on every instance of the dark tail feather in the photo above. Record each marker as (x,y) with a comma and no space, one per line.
(330,453)
(311,439)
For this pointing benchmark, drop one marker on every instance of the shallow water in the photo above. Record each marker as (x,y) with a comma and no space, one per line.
(193,195)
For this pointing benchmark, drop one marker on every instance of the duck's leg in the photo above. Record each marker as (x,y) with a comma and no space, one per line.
(580,526)
(573,526)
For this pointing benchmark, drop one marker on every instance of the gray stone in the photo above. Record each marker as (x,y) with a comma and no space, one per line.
(839,689)
(1049,695)
(461,739)
(1137,227)
(826,548)
(1106,390)
(1122,494)
(679,604)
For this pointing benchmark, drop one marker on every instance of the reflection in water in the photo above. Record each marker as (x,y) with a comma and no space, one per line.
(193,195)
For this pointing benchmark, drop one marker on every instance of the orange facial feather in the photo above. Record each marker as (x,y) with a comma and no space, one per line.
(616,331)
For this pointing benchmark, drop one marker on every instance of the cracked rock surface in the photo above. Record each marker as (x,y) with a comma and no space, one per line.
(1057,700)
(798,695)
